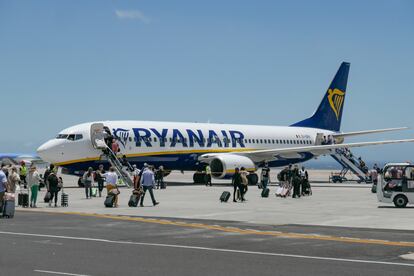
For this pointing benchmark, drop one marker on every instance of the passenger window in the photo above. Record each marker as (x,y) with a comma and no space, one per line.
(155,139)
(130,139)
(265,141)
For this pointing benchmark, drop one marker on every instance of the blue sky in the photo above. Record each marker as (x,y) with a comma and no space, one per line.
(255,62)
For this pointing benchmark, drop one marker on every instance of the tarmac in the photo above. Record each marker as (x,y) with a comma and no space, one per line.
(341,229)
(340,205)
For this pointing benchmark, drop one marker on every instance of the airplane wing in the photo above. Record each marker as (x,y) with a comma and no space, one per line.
(355,133)
(296,152)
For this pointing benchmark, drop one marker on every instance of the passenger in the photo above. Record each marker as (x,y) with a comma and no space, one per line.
(115,147)
(111,180)
(53,187)
(265,175)
(33,181)
(3,187)
(304,180)
(46,174)
(374,176)
(330,140)
(237,184)
(245,183)
(324,141)
(148,183)
(295,182)
(108,137)
(100,179)
(208,176)
(23,172)
(13,181)
(88,180)
(160,178)
(135,175)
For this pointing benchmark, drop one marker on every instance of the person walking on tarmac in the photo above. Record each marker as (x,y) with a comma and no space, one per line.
(295,181)
(33,181)
(237,184)
(245,182)
(53,187)
(100,178)
(14,180)
(265,176)
(23,172)
(208,176)
(304,179)
(148,183)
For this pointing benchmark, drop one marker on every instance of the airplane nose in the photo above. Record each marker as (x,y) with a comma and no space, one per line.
(45,151)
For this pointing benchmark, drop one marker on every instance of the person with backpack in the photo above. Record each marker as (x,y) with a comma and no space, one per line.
(13,181)
(304,178)
(53,187)
(88,180)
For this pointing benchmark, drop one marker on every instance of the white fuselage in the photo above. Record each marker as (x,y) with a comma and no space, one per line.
(177,146)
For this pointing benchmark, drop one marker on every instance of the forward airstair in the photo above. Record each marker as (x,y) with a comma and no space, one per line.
(98,142)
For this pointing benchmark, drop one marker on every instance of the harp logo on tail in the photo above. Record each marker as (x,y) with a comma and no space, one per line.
(336,99)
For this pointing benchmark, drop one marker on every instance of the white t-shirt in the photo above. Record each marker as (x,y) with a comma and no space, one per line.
(111,178)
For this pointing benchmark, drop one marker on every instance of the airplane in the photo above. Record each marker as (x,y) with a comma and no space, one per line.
(190,146)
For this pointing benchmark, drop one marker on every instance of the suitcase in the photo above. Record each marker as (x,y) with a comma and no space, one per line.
(109,201)
(64,200)
(8,210)
(265,192)
(225,196)
(285,192)
(279,191)
(133,200)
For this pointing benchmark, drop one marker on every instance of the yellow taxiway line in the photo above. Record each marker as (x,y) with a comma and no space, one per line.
(237,230)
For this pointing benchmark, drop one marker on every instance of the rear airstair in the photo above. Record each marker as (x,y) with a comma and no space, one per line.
(350,164)
(98,142)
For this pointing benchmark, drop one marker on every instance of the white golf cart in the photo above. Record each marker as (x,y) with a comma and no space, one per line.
(396,184)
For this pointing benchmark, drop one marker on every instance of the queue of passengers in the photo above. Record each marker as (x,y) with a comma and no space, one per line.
(291,177)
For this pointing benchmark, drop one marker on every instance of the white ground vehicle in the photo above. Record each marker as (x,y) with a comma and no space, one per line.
(396,184)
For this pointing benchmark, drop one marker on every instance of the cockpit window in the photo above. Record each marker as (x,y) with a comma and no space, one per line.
(62,136)
(74,137)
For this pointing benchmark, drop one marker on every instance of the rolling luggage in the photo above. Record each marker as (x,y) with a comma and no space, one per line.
(64,200)
(8,210)
(23,199)
(110,200)
(133,200)
(265,192)
(279,191)
(225,196)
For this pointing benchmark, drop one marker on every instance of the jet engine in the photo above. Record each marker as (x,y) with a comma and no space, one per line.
(223,166)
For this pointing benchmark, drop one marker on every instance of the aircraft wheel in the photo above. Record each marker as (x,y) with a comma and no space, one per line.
(400,201)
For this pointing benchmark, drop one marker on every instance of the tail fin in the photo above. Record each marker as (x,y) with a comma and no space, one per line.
(329,113)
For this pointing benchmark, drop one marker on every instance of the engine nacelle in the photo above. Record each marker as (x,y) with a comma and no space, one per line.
(225,165)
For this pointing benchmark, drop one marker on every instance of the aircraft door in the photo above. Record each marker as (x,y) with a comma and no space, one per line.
(98,136)
(318,139)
